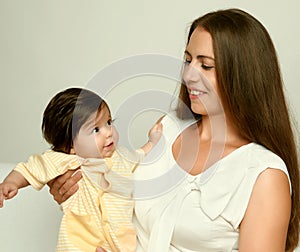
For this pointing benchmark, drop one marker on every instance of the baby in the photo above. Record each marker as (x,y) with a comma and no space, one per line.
(78,125)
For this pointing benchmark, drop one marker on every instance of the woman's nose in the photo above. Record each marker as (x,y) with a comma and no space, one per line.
(190,74)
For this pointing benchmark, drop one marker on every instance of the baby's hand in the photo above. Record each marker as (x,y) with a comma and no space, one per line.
(7,191)
(155,133)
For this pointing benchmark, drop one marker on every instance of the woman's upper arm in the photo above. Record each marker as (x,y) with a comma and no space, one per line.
(265,224)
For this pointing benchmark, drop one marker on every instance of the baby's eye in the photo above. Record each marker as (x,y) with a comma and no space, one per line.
(109,122)
(95,130)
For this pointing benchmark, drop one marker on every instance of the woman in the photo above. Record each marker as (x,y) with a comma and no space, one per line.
(238,188)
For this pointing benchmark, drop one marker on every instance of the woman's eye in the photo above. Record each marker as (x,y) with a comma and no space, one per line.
(95,130)
(206,67)
(187,61)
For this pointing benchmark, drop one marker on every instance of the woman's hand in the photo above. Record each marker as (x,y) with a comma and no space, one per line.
(100,250)
(64,186)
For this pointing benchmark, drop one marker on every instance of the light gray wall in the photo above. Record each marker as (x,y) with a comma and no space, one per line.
(47,46)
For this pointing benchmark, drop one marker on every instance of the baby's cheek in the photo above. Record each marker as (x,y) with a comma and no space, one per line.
(89,148)
(115,135)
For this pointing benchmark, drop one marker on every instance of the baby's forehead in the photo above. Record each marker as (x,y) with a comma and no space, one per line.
(102,112)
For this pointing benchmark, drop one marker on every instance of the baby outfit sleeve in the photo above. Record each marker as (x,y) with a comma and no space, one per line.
(140,154)
(40,169)
(131,158)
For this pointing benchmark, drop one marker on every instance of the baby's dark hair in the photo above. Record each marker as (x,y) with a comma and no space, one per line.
(66,113)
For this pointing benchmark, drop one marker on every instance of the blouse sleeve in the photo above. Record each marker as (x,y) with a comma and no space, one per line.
(236,207)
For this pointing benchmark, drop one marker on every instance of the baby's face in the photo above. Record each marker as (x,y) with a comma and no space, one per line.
(97,137)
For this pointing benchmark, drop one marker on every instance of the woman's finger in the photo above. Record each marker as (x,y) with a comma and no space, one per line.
(100,250)
(65,185)
(70,183)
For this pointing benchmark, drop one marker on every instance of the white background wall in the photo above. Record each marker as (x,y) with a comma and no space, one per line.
(47,46)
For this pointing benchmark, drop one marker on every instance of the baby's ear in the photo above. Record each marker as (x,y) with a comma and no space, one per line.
(72,151)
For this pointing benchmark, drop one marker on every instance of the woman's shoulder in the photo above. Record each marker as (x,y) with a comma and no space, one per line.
(238,174)
(262,157)
(268,163)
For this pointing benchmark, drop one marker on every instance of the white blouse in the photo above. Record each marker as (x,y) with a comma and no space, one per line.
(176,211)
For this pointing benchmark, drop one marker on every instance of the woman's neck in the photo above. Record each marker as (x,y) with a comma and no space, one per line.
(218,129)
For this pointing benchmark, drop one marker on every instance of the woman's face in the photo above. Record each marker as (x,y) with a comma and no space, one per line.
(199,74)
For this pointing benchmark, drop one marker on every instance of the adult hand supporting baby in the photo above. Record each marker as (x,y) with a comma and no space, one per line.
(100,250)
(64,186)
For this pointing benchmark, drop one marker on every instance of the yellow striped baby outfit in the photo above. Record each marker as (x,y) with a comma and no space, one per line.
(99,214)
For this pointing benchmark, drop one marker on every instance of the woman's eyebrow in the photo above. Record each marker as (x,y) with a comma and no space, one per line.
(199,56)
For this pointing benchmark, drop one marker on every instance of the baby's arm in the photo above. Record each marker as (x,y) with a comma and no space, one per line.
(154,136)
(9,187)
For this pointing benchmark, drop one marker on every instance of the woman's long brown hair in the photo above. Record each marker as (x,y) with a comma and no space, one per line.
(251,90)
